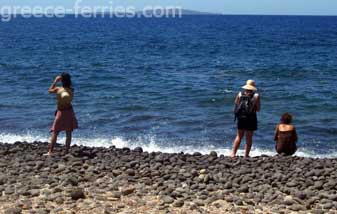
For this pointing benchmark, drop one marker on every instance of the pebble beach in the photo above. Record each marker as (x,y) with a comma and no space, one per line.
(111,180)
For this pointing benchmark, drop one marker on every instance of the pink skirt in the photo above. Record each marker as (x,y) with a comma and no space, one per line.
(65,120)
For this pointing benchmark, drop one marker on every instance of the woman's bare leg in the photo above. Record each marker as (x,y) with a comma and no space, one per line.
(68,141)
(53,140)
(237,142)
(249,142)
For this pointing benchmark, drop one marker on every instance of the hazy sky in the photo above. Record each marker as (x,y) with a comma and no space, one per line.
(291,7)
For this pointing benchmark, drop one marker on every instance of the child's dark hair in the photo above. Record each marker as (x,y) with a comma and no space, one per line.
(286,118)
(66,80)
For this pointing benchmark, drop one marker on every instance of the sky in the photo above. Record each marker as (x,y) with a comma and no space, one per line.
(266,7)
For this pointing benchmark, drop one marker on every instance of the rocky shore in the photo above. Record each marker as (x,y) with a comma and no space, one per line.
(111,180)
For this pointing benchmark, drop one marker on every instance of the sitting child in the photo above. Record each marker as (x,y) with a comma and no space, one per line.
(285,136)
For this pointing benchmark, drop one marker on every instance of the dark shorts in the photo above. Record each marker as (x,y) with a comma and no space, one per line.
(248,124)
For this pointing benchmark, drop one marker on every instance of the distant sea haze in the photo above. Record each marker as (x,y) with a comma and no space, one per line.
(168,84)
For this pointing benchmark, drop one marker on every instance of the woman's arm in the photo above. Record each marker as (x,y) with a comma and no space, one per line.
(236,101)
(53,89)
(258,103)
(276,133)
(295,136)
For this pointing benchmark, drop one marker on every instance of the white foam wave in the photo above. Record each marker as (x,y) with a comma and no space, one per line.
(150,144)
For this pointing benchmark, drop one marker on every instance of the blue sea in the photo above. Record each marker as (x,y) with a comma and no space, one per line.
(168,84)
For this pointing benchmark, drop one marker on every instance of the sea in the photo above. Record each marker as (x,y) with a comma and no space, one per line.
(168,84)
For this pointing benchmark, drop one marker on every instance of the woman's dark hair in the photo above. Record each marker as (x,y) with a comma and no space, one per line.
(66,80)
(286,118)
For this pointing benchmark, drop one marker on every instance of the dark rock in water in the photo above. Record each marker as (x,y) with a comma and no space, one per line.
(197,154)
(77,194)
(138,149)
(125,149)
(213,154)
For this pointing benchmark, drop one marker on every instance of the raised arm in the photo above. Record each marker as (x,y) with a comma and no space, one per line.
(258,103)
(53,89)
(236,101)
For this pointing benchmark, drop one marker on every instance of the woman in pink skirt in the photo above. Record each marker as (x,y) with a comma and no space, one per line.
(65,119)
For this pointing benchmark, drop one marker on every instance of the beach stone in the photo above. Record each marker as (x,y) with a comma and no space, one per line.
(2,180)
(70,180)
(178,203)
(35,192)
(168,199)
(116,172)
(9,191)
(206,179)
(203,197)
(297,207)
(131,172)
(244,189)
(202,172)
(319,211)
(318,185)
(301,195)
(199,203)
(132,164)
(128,190)
(228,185)
(327,206)
(42,211)
(291,184)
(288,200)
(13,210)
(77,194)
(116,194)
(332,197)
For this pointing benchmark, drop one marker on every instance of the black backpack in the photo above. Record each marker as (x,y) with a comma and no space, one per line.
(245,107)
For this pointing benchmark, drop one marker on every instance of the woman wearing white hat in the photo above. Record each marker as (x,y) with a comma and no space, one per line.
(247,103)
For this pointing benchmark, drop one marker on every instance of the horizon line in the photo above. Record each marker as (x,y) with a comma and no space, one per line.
(208,14)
